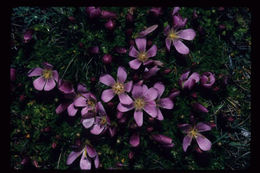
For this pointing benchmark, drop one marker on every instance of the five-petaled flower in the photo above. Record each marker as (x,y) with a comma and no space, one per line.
(88,154)
(48,77)
(144,99)
(207,79)
(142,56)
(117,87)
(194,132)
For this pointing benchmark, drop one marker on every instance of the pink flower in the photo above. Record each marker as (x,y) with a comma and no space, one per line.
(193,132)
(48,77)
(88,154)
(117,87)
(134,140)
(142,56)
(70,94)
(187,82)
(165,103)
(207,79)
(144,99)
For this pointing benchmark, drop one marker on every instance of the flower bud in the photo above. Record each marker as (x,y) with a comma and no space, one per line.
(35,163)
(110,25)
(194,15)
(131,155)
(21,98)
(149,129)
(12,74)
(222,27)
(107,14)
(167,71)
(93,50)
(221,9)
(53,145)
(27,36)
(93,12)
(156,12)
(110,104)
(107,59)
(93,79)
(199,108)
(194,95)
(174,93)
(72,19)
(120,50)
(25,160)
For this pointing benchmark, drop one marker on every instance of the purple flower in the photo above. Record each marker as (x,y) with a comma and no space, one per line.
(102,122)
(150,72)
(144,99)
(110,24)
(27,36)
(47,79)
(207,79)
(88,154)
(134,140)
(117,87)
(163,140)
(12,74)
(193,132)
(142,56)
(187,82)
(165,103)
(69,92)
(178,21)
(147,31)
(93,12)
(199,108)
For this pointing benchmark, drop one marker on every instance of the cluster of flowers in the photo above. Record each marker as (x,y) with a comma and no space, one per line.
(142,98)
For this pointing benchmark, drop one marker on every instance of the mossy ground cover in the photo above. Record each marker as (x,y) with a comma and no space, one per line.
(222,46)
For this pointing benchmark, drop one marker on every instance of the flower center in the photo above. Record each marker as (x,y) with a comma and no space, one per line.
(142,56)
(139,103)
(193,133)
(118,88)
(172,35)
(47,74)
(103,120)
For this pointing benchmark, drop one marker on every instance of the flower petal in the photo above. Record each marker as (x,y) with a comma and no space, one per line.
(73,156)
(96,162)
(147,31)
(134,140)
(160,88)
(187,34)
(135,64)
(128,86)
(150,94)
(125,99)
(186,142)
(185,128)
(203,142)
(166,30)
(202,127)
(199,108)
(150,108)
(137,91)
(91,151)
(151,72)
(180,47)
(133,52)
(55,75)
(107,95)
(80,102)
(35,72)
(88,122)
(159,115)
(175,10)
(168,43)
(61,108)
(50,84)
(65,87)
(141,44)
(101,109)
(85,163)
(162,139)
(72,110)
(121,74)
(81,88)
(85,110)
(166,103)
(39,83)
(138,116)
(107,80)
(124,108)
(97,129)
(152,51)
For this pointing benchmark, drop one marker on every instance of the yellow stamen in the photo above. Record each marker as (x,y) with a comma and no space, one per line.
(139,103)
(103,120)
(118,88)
(172,35)
(142,57)
(47,74)
(194,133)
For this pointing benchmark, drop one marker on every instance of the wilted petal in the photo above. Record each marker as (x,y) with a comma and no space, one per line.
(73,156)
(203,142)
(141,44)
(96,162)
(175,10)
(162,139)
(91,151)
(50,84)
(180,47)
(125,99)
(88,122)
(85,163)
(166,103)
(71,110)
(55,75)
(150,94)
(147,31)
(202,127)
(121,74)
(107,14)
(97,129)
(152,51)
(138,116)
(168,43)
(107,95)
(148,62)
(134,140)
(124,108)
(133,52)
(200,108)
(186,142)
(160,88)
(135,64)
(150,108)
(61,108)
(128,86)
(101,109)
(35,72)
(151,72)
(112,131)
(137,91)
(39,83)
(187,34)
(107,80)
